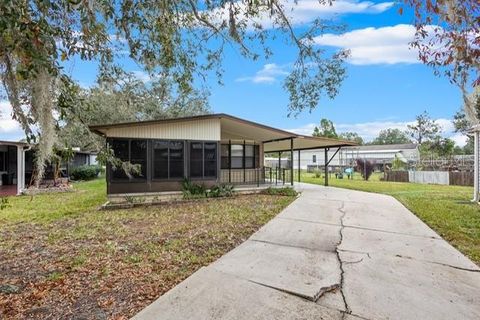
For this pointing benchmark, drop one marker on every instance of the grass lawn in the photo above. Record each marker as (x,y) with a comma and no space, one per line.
(446,209)
(67,258)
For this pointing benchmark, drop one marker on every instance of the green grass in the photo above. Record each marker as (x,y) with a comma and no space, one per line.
(44,208)
(66,255)
(446,209)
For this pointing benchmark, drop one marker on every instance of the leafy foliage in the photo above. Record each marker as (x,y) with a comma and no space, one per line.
(285,191)
(365,167)
(447,37)
(391,136)
(351,136)
(221,190)
(3,203)
(398,164)
(326,129)
(193,190)
(424,128)
(85,172)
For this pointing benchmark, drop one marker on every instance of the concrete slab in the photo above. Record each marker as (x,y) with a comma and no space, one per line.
(303,272)
(332,299)
(301,234)
(384,287)
(210,294)
(388,216)
(419,248)
(310,209)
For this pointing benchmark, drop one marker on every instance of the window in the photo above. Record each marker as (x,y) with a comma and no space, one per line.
(237,156)
(138,155)
(225,154)
(121,151)
(210,158)
(314,158)
(240,158)
(134,151)
(249,156)
(167,159)
(203,159)
(3,161)
(160,159)
(196,159)
(176,159)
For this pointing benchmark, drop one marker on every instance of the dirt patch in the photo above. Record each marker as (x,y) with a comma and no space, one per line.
(110,265)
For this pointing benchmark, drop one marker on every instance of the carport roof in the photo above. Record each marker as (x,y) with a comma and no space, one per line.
(234,128)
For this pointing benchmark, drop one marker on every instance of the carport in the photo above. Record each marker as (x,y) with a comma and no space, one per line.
(299,143)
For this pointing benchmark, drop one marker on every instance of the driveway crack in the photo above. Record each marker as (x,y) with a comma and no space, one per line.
(342,271)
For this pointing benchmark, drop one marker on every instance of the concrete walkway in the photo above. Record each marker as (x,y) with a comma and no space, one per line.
(332,254)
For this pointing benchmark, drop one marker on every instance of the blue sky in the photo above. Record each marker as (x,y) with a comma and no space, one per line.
(385,87)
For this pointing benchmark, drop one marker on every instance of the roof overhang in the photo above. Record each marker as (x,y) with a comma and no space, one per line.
(14,143)
(233,128)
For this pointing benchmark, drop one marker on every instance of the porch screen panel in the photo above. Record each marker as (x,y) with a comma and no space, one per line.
(196,159)
(237,156)
(210,159)
(138,156)
(121,150)
(176,159)
(225,155)
(249,156)
(160,159)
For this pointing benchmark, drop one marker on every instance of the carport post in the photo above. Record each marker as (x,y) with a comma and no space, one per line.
(299,165)
(291,162)
(326,167)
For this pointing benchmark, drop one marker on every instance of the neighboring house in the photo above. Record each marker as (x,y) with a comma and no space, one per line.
(12,167)
(380,155)
(209,149)
(16,165)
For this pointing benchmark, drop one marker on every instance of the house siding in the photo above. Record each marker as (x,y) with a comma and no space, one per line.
(208,130)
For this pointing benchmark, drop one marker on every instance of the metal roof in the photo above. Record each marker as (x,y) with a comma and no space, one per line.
(274,139)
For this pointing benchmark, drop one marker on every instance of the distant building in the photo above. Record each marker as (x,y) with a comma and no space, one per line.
(379,154)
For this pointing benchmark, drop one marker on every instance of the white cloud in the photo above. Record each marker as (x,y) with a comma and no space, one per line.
(306,11)
(9,128)
(370,130)
(143,76)
(384,45)
(268,74)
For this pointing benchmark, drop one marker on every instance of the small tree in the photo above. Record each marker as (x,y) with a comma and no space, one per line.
(326,129)
(365,168)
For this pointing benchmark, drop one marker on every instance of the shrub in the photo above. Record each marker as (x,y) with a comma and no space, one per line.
(317,173)
(221,190)
(365,168)
(286,191)
(85,172)
(192,190)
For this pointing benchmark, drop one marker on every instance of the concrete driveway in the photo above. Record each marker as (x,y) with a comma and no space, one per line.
(332,254)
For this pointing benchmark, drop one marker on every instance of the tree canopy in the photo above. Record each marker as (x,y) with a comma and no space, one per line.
(326,129)
(351,136)
(424,128)
(183,41)
(391,136)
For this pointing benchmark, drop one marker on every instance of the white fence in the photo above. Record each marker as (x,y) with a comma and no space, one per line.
(429,177)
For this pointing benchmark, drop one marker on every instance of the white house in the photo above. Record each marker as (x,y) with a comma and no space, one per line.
(346,156)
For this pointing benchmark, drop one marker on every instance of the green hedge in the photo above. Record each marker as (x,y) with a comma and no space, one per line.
(85,172)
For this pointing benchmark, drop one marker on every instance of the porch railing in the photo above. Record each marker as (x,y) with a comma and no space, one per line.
(257,176)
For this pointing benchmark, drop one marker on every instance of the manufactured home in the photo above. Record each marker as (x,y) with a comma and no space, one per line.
(209,149)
